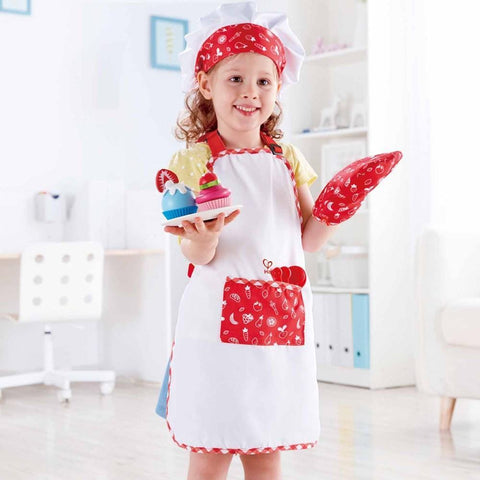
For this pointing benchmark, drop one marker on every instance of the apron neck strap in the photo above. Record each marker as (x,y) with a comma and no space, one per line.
(274,147)
(214,141)
(217,146)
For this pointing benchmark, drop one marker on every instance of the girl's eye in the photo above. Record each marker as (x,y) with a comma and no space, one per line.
(264,82)
(236,79)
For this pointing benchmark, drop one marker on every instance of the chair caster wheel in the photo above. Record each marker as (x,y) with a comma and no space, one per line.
(64,395)
(106,388)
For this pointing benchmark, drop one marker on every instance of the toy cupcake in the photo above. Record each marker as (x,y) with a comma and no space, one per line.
(212,195)
(178,200)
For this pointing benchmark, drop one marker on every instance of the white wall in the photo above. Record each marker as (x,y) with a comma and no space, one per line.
(453,84)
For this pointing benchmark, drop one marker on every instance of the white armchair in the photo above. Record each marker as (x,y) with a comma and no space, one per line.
(448,310)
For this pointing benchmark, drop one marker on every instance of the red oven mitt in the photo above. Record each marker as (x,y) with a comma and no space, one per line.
(344,193)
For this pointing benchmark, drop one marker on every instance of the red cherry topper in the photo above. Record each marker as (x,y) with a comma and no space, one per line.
(294,274)
(162,178)
(207,178)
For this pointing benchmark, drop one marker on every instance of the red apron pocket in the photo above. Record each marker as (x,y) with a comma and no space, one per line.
(258,312)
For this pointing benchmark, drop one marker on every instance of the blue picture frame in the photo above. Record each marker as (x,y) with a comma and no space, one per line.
(20,7)
(167,40)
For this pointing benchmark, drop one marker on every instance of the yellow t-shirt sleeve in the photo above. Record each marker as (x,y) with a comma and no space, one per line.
(190,164)
(304,173)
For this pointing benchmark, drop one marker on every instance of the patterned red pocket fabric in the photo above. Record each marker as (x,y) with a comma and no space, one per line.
(258,312)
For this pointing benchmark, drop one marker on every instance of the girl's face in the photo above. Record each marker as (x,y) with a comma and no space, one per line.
(243,89)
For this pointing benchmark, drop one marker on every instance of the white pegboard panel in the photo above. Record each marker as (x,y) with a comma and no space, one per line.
(61,281)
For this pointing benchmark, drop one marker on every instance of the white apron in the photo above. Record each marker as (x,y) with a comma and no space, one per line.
(243,369)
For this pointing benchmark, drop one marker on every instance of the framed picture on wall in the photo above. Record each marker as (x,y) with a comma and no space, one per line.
(167,41)
(22,7)
(336,156)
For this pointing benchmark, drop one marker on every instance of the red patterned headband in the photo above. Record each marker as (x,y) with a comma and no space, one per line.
(240,38)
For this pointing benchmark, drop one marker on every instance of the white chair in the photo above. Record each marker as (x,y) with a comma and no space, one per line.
(60,282)
(448,317)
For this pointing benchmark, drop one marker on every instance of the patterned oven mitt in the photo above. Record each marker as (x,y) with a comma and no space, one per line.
(344,193)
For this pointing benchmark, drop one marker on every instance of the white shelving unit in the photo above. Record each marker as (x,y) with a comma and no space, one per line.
(330,289)
(358,74)
(338,57)
(338,133)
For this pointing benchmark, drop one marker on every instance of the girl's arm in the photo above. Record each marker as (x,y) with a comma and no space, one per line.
(314,232)
(199,239)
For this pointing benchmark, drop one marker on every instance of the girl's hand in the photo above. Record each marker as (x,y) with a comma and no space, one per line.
(199,238)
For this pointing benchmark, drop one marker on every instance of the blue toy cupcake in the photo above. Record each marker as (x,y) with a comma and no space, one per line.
(178,200)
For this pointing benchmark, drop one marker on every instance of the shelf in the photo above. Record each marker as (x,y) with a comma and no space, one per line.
(338,57)
(330,289)
(132,251)
(109,252)
(358,377)
(340,132)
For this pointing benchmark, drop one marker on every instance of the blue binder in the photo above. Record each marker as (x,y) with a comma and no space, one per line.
(361,331)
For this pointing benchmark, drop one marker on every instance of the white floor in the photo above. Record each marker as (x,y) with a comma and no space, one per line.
(385,434)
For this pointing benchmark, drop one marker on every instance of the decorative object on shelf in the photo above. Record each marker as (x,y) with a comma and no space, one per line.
(20,7)
(336,156)
(167,41)
(358,115)
(321,47)
(360,33)
(328,116)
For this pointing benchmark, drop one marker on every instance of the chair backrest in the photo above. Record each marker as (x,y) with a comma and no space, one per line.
(61,281)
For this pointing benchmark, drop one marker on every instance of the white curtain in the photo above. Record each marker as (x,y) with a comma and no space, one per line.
(452,80)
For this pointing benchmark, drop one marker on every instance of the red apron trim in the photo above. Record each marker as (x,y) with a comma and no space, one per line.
(260,283)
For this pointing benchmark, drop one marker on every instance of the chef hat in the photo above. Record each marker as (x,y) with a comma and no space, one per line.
(237,27)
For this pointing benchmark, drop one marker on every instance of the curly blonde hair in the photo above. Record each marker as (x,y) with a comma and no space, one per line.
(199,118)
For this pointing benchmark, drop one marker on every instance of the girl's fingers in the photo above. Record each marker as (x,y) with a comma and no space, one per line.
(189,227)
(219,223)
(177,231)
(200,225)
(232,217)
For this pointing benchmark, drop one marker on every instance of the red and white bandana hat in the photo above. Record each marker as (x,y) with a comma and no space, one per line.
(237,28)
(240,38)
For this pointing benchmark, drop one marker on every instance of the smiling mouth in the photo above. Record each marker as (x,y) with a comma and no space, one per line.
(246,110)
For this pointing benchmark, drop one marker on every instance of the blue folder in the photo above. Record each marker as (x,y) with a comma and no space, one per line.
(361,331)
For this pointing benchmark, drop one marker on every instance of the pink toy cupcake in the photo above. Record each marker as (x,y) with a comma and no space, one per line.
(212,195)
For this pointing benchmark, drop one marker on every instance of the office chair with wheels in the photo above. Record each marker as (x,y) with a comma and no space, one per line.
(60,282)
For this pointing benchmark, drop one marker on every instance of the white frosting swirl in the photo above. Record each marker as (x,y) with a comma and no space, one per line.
(171,187)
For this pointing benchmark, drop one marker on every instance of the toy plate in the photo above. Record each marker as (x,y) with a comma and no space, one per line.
(205,215)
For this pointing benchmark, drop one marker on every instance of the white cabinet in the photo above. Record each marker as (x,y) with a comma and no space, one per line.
(366,76)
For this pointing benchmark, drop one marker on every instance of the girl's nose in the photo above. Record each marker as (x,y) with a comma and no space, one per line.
(249,91)
(252,95)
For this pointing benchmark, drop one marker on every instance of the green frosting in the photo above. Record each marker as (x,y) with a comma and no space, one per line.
(209,184)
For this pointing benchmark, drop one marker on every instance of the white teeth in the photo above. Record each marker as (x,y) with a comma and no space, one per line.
(245,109)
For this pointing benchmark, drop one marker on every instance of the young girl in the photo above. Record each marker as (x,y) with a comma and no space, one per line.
(242,376)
